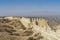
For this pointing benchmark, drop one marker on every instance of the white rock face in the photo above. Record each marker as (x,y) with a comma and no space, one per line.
(42,28)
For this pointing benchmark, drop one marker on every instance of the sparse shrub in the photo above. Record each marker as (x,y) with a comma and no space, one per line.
(31,38)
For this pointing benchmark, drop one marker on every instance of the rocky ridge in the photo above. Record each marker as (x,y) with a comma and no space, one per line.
(21,28)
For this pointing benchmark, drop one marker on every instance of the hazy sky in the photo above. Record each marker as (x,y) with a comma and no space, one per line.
(29,7)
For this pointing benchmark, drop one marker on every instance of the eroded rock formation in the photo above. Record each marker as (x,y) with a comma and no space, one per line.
(21,28)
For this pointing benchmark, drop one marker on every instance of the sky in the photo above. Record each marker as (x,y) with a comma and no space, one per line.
(29,7)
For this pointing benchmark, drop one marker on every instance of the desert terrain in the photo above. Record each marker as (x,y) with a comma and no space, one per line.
(29,28)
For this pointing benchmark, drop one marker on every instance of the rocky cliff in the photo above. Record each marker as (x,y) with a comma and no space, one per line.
(24,28)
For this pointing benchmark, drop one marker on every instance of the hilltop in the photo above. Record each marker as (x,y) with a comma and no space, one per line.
(28,28)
